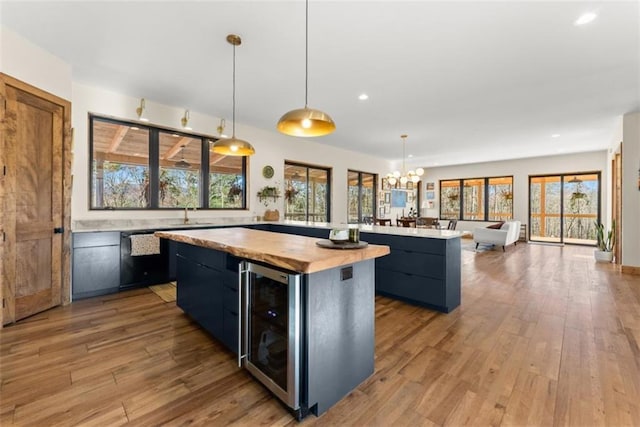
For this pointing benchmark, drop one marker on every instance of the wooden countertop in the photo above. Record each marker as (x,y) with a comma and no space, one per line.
(292,252)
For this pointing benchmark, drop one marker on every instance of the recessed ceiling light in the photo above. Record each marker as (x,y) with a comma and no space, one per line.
(555,135)
(410,156)
(363,97)
(585,18)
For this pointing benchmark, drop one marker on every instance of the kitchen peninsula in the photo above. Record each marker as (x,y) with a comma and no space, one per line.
(300,317)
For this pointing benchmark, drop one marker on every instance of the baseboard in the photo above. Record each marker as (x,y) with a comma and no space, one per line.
(631,270)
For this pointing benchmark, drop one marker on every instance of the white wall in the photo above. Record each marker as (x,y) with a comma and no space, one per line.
(520,170)
(23,60)
(631,190)
(271,147)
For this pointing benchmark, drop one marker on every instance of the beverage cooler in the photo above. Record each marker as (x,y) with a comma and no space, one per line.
(269,335)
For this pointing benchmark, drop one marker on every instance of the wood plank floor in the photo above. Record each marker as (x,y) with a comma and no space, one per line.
(544,336)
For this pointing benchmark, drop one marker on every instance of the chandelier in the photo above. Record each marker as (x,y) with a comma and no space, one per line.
(413,176)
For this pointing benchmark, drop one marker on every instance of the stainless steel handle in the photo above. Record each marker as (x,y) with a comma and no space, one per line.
(243,315)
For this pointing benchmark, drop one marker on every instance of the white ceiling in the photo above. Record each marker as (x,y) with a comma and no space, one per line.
(467,81)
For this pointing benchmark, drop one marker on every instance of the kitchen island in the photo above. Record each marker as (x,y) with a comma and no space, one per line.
(424,267)
(300,317)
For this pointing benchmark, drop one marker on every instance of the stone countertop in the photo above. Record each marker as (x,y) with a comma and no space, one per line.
(291,252)
(173,224)
(158,223)
(380,229)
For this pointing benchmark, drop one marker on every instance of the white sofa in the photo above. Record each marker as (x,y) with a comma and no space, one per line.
(506,235)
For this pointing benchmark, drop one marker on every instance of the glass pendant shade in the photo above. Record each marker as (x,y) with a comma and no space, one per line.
(404,177)
(306,122)
(233,147)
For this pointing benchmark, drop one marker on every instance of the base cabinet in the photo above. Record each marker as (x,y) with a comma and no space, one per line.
(96,264)
(336,331)
(208,291)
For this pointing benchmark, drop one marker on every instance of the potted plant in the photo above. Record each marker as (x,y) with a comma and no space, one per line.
(606,241)
(268,192)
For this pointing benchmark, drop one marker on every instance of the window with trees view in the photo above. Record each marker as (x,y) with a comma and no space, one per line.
(361,196)
(135,166)
(477,199)
(307,192)
(564,208)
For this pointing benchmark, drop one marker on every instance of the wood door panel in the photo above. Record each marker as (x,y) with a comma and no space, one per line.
(34,199)
(33,257)
(34,161)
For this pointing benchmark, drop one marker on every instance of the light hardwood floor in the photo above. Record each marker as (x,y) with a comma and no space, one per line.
(544,336)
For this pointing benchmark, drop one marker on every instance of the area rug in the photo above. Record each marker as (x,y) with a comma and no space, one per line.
(471,247)
(166,291)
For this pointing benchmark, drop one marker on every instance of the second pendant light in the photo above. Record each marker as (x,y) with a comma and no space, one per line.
(233,146)
(306,121)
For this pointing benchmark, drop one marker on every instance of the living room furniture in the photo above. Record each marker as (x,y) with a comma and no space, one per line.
(452,224)
(383,221)
(508,233)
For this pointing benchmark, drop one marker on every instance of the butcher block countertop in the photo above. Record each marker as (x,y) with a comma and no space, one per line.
(296,253)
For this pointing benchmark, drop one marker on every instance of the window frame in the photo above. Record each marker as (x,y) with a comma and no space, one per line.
(485,202)
(360,187)
(308,166)
(154,167)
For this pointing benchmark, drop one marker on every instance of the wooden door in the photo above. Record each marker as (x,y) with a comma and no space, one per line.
(616,205)
(34,217)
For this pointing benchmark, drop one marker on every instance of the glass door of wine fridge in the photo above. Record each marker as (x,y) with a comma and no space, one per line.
(269,340)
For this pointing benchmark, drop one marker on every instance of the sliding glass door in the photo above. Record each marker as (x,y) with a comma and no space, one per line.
(307,192)
(564,208)
(361,197)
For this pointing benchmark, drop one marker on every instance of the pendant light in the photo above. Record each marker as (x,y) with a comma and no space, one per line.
(182,164)
(306,121)
(405,177)
(233,146)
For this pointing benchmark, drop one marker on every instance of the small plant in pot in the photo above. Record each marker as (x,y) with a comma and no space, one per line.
(606,241)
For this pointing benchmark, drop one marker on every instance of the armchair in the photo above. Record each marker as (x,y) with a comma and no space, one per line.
(507,234)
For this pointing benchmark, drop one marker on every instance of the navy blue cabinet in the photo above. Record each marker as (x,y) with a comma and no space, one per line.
(96,264)
(208,290)
(419,270)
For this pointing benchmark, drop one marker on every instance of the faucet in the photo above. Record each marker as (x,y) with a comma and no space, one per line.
(186,214)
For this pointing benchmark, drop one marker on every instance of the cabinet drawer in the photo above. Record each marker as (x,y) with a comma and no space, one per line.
(408,243)
(230,330)
(209,257)
(417,263)
(99,238)
(230,298)
(417,288)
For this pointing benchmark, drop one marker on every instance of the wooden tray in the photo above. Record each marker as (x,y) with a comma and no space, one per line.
(328,244)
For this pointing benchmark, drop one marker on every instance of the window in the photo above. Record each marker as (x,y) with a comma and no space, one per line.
(361,196)
(450,199)
(179,171)
(500,192)
(473,199)
(564,208)
(135,166)
(477,199)
(307,192)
